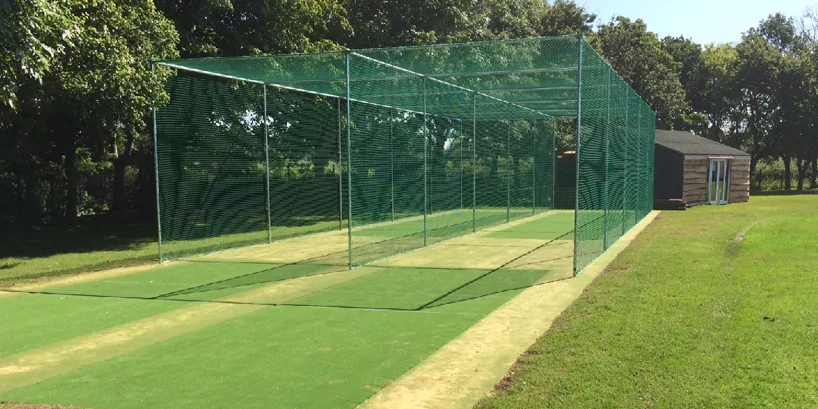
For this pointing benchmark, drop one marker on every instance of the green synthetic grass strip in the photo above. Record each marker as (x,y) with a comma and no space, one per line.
(550,227)
(497,282)
(393,288)
(713,307)
(280,357)
(34,320)
(31,321)
(272,274)
(169,280)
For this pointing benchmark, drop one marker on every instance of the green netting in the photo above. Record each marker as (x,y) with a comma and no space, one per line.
(614,168)
(400,147)
(210,166)
(216,183)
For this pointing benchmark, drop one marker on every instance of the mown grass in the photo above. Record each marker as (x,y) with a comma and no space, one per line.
(714,307)
(98,244)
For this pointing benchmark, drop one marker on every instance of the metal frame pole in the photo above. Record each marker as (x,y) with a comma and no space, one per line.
(425,160)
(267,169)
(579,147)
(349,167)
(340,172)
(534,171)
(553,164)
(508,167)
(460,140)
(627,165)
(474,163)
(392,162)
(605,242)
(156,176)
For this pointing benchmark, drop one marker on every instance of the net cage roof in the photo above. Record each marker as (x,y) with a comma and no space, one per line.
(531,77)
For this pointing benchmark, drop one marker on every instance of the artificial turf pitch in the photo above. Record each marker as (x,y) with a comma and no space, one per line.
(300,332)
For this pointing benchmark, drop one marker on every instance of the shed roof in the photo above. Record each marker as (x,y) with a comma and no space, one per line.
(688,143)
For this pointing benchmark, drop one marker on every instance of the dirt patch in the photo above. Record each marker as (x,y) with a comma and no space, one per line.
(734,248)
(504,383)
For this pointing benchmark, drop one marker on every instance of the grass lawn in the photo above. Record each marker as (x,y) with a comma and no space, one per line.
(93,244)
(714,307)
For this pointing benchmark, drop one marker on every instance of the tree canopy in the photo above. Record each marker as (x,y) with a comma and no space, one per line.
(77,85)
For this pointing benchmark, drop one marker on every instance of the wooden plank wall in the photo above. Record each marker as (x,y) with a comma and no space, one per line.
(740,180)
(695,180)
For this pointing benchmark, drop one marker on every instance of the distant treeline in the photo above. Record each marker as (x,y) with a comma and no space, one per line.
(77,88)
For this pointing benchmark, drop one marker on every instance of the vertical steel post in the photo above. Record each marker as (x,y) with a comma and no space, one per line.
(553,164)
(349,167)
(508,166)
(156,176)
(340,172)
(392,162)
(579,149)
(267,168)
(425,160)
(605,242)
(627,164)
(474,163)
(534,173)
(460,140)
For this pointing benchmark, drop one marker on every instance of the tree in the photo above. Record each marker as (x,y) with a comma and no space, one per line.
(412,22)
(242,27)
(95,97)
(32,34)
(717,97)
(566,17)
(638,57)
(757,68)
(690,57)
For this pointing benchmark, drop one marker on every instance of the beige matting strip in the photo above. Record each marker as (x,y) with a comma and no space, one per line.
(468,367)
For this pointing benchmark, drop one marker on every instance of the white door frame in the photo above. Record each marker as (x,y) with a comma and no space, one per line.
(718,180)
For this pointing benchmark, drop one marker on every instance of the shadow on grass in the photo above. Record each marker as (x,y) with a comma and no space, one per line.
(383,288)
(784,192)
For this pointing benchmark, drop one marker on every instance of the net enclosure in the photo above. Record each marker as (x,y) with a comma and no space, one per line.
(399,147)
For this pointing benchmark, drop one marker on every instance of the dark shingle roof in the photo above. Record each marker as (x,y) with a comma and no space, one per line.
(687,143)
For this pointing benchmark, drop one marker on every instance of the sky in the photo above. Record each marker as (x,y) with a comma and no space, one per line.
(704,21)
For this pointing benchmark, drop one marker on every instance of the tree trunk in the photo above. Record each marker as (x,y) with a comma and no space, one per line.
(120,164)
(813,180)
(787,173)
(753,166)
(18,189)
(71,184)
(802,165)
(118,204)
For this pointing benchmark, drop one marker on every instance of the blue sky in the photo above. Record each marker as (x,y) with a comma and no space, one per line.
(705,21)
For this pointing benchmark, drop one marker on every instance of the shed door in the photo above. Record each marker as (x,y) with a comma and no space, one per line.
(718,183)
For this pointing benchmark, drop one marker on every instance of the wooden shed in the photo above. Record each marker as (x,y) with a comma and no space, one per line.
(698,170)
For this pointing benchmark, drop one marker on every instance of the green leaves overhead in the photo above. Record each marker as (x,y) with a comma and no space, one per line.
(637,55)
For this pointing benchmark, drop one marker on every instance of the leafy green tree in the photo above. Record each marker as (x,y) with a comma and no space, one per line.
(717,96)
(637,55)
(566,17)
(690,57)
(95,97)
(397,23)
(32,34)
(757,70)
(242,27)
